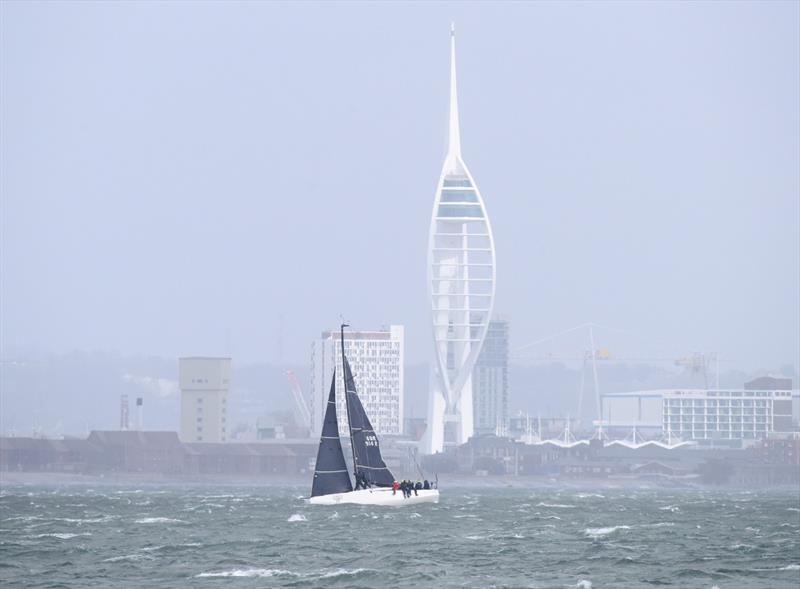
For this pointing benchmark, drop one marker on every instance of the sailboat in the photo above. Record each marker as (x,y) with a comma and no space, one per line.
(374,480)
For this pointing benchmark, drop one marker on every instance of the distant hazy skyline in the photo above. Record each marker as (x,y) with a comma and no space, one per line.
(184,178)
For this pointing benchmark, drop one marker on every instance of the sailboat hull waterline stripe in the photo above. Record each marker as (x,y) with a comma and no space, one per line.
(377,496)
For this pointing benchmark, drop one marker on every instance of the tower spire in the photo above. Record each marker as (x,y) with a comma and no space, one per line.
(454,146)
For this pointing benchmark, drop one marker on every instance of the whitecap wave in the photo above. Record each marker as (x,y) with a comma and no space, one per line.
(297,517)
(341,573)
(584,584)
(250,573)
(164,546)
(160,520)
(558,505)
(600,532)
(129,557)
(788,567)
(66,536)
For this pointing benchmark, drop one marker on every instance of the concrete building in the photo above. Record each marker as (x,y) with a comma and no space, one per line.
(205,384)
(376,359)
(490,381)
(727,415)
(700,414)
(461,285)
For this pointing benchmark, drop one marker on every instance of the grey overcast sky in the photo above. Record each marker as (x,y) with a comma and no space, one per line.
(181,178)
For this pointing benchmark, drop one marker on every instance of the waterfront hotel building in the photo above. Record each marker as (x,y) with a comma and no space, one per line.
(376,359)
(700,414)
(461,287)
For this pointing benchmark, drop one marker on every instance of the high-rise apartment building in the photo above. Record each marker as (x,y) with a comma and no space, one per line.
(376,359)
(461,285)
(205,384)
(490,381)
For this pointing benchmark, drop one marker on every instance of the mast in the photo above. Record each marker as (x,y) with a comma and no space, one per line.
(347,405)
(454,142)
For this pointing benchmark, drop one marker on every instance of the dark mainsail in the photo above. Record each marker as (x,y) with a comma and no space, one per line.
(330,473)
(366,451)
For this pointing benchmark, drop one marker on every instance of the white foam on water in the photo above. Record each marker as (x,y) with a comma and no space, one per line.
(584,584)
(129,557)
(163,546)
(160,520)
(249,573)
(297,517)
(792,509)
(60,536)
(558,505)
(600,532)
(670,508)
(341,573)
(587,495)
(790,567)
(475,537)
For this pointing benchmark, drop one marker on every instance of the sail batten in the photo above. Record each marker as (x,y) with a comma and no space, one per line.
(330,472)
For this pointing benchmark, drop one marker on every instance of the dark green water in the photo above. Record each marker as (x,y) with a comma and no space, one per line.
(77,536)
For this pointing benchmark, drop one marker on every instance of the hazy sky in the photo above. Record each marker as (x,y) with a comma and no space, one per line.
(178,176)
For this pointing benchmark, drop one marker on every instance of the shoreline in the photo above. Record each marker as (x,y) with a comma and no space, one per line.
(8,479)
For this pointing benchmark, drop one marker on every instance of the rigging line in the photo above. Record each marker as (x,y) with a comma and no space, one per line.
(414,458)
(347,405)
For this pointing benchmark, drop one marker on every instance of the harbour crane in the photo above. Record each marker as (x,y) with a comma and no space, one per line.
(301,407)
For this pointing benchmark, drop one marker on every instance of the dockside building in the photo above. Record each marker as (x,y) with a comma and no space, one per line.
(205,385)
(700,414)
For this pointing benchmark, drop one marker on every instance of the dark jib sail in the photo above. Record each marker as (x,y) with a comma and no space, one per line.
(330,472)
(366,451)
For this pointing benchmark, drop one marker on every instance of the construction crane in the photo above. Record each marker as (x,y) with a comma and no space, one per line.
(301,407)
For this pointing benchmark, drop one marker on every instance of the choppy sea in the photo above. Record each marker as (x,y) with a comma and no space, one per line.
(193,536)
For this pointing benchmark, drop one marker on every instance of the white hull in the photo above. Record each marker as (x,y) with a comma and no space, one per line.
(377,496)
